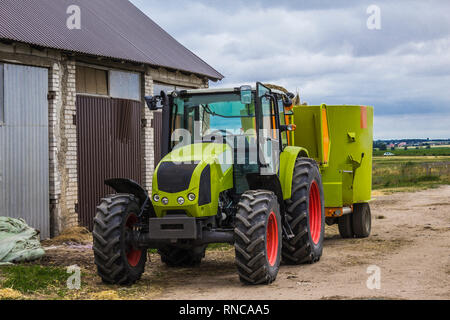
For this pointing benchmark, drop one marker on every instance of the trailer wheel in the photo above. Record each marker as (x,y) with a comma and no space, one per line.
(174,257)
(345,224)
(362,220)
(258,237)
(118,260)
(305,215)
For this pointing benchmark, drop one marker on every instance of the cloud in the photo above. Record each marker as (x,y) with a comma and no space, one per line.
(325,50)
(412,126)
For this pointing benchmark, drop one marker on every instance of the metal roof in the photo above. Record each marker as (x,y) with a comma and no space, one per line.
(111,28)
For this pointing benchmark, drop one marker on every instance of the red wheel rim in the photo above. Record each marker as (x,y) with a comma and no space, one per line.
(272,239)
(315,213)
(133,255)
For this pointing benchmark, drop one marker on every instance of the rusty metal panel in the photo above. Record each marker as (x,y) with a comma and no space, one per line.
(109,146)
(113,28)
(24,155)
(157,129)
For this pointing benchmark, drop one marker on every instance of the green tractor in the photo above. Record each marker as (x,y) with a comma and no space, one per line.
(230,173)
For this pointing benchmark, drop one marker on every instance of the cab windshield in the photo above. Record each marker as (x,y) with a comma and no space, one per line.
(204,115)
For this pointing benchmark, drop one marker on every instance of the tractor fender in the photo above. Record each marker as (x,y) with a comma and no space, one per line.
(287,164)
(271,183)
(130,187)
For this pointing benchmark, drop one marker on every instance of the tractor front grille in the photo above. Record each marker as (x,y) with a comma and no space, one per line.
(175,177)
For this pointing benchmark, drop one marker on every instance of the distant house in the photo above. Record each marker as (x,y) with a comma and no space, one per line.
(402,144)
(72,110)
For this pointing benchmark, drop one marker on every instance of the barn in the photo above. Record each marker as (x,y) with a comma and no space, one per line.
(73,77)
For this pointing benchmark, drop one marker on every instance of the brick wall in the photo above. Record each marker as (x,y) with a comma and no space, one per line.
(54,107)
(177,78)
(67,153)
(63,146)
(147,139)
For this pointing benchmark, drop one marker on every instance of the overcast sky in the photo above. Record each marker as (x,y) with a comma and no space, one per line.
(325,50)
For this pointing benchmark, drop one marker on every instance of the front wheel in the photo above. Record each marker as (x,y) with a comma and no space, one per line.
(118,260)
(258,237)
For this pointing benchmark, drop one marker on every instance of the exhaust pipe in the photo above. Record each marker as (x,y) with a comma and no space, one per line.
(217,237)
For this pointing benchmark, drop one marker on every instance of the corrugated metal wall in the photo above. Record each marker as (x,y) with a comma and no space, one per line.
(109,146)
(157,127)
(24,156)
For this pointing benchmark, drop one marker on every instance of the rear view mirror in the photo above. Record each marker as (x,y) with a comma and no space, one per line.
(152,101)
(246,94)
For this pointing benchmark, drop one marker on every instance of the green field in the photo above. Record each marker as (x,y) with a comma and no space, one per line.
(415,152)
(404,171)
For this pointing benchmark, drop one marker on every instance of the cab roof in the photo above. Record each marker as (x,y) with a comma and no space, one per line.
(220,90)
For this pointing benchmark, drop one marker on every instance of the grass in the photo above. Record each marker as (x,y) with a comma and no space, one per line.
(414,159)
(219,247)
(418,172)
(34,278)
(415,152)
(211,247)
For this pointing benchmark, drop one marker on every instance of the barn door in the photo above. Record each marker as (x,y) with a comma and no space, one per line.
(24,155)
(109,143)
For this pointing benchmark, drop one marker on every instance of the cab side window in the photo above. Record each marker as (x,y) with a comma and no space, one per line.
(269,118)
(284,138)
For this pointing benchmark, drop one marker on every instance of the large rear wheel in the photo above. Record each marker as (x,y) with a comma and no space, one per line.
(118,260)
(258,237)
(305,215)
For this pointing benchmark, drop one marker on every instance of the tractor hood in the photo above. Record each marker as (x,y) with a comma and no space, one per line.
(190,179)
(200,152)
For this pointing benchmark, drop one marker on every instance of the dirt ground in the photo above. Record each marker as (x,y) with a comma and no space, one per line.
(409,243)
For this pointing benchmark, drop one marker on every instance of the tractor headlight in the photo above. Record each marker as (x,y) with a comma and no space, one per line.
(156,198)
(165,201)
(180,201)
(191,197)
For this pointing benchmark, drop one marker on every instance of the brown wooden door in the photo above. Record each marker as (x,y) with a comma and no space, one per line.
(109,146)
